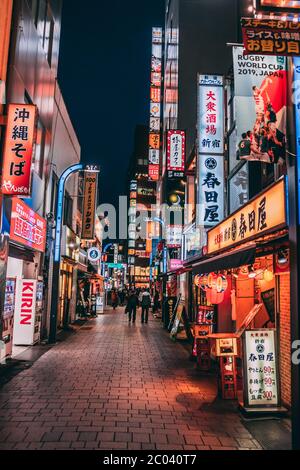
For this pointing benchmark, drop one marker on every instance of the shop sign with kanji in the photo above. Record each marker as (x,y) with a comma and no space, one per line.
(175,150)
(210,190)
(271,37)
(210,115)
(18,149)
(27,227)
(265,213)
(261,368)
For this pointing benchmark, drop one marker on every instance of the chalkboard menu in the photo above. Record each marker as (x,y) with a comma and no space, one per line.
(268,298)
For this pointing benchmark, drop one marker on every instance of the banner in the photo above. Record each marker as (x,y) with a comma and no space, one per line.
(18,148)
(260,106)
(89,205)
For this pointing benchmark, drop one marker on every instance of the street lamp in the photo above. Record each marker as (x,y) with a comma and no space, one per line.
(57,248)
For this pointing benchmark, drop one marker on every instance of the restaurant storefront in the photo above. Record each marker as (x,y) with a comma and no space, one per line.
(241,288)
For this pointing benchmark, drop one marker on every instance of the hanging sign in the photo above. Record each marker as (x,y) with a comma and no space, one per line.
(261,368)
(89,205)
(211,190)
(211,114)
(18,148)
(175,152)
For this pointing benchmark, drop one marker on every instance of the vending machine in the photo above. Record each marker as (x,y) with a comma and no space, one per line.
(28,312)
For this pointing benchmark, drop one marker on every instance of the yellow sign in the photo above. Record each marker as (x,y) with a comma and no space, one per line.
(89,206)
(265,213)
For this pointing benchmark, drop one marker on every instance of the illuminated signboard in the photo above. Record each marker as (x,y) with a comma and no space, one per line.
(27,227)
(176,151)
(211,114)
(265,213)
(210,194)
(89,205)
(283,5)
(271,37)
(155,104)
(261,367)
(18,148)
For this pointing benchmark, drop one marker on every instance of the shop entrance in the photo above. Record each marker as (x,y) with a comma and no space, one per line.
(66,285)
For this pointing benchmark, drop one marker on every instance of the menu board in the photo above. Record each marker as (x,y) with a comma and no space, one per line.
(261,368)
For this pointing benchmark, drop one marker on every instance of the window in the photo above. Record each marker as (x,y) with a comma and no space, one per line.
(44,22)
(39,152)
(68,210)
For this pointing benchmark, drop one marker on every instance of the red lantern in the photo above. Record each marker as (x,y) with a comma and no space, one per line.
(216,297)
(221,283)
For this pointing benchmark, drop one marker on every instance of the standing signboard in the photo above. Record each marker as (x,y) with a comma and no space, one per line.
(175,153)
(261,388)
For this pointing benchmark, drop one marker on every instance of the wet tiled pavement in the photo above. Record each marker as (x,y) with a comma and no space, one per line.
(114,385)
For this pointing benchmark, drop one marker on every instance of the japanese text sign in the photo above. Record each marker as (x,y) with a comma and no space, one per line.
(27,227)
(261,368)
(211,190)
(155,105)
(89,205)
(271,37)
(175,150)
(173,236)
(266,212)
(210,114)
(18,148)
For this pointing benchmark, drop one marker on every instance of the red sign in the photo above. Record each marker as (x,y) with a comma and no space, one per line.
(27,301)
(154,172)
(26,226)
(175,264)
(18,147)
(175,150)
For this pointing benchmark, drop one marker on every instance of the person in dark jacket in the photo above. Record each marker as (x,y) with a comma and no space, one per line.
(132,304)
(146,304)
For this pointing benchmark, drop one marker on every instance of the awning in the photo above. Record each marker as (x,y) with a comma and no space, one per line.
(228,260)
(18,252)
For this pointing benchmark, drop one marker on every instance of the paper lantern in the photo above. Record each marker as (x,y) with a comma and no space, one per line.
(216,297)
(212,280)
(204,282)
(268,275)
(221,284)
(197,280)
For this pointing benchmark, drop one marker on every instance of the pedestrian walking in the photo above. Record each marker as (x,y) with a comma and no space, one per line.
(114,299)
(146,304)
(132,304)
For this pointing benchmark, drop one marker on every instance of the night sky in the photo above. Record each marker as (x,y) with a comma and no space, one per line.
(104,74)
